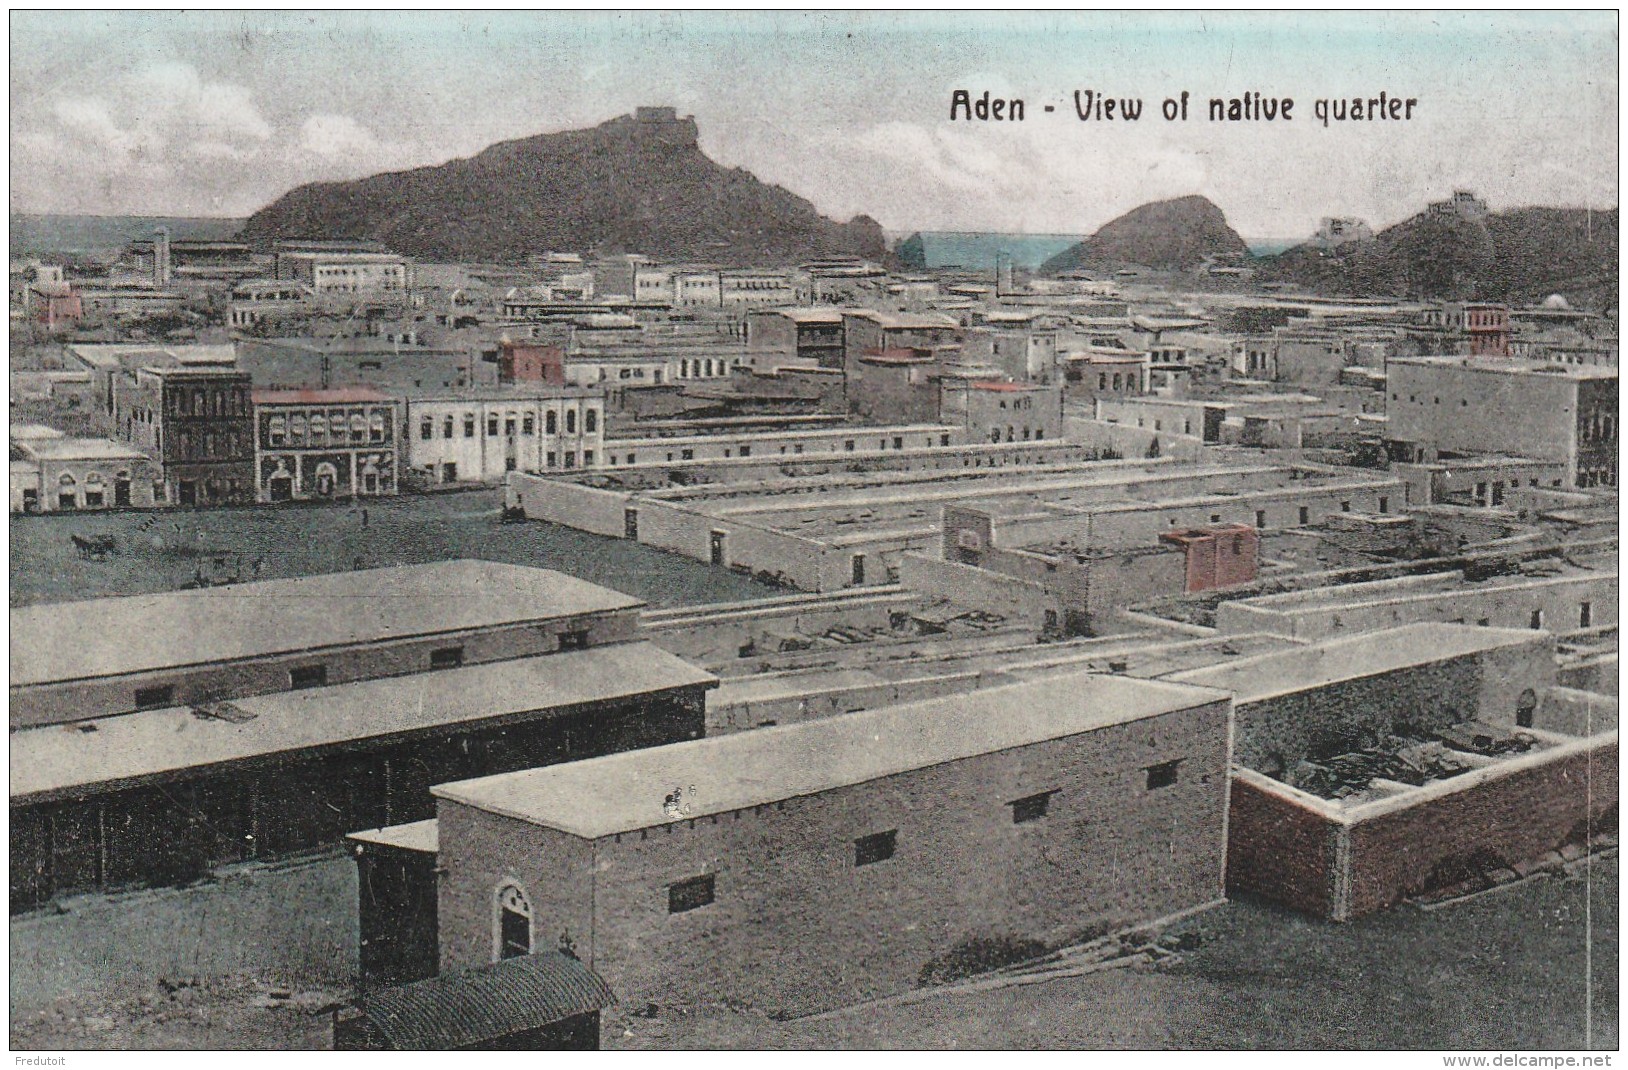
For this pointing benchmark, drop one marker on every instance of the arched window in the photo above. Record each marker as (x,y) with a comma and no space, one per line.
(570,421)
(590,421)
(319,426)
(552,424)
(358,427)
(276,430)
(511,928)
(1525,707)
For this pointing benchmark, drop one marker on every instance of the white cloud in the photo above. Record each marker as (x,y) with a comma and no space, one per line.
(338,136)
(162,114)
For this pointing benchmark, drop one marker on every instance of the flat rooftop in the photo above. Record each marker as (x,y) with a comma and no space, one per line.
(625,792)
(132,748)
(1512,366)
(422,836)
(80,449)
(1402,588)
(1369,654)
(113,636)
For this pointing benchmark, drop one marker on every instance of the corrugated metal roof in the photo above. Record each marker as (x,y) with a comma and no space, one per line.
(456,1010)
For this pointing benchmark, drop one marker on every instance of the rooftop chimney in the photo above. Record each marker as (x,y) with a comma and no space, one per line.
(161,258)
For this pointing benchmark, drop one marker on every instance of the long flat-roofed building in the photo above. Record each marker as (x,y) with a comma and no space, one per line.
(858,853)
(292,712)
(188,647)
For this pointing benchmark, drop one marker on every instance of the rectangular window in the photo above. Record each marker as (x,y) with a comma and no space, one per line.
(877,847)
(307,676)
(1305,515)
(1537,619)
(153,698)
(1030,807)
(447,657)
(690,894)
(1260,518)
(1162,775)
(491,426)
(528,424)
(577,640)
(746,451)
(1585,615)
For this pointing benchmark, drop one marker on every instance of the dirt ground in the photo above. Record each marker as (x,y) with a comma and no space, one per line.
(1503,970)
(163,550)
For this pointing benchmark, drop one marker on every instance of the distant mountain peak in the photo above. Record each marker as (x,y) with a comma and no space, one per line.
(1519,255)
(637,183)
(1173,235)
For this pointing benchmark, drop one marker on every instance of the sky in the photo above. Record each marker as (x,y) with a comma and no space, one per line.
(216,113)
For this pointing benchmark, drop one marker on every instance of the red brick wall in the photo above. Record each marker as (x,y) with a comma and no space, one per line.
(1515,817)
(1236,553)
(531,364)
(1220,559)
(1280,850)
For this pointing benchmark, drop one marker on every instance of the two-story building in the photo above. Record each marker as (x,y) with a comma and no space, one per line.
(480,435)
(315,444)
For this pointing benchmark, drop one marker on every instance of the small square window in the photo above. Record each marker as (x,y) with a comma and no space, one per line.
(577,640)
(448,657)
(877,847)
(152,698)
(1031,807)
(307,676)
(690,894)
(1162,775)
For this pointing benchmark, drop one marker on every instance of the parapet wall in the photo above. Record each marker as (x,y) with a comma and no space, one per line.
(602,512)
(1340,862)
(1016,599)
(1500,816)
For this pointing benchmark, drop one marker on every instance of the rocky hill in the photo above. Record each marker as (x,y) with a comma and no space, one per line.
(1518,256)
(1175,235)
(637,183)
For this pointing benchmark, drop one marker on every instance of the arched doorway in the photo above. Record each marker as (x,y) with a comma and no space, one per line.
(327,479)
(513,923)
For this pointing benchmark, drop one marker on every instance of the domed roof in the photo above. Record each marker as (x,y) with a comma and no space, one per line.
(1556,301)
